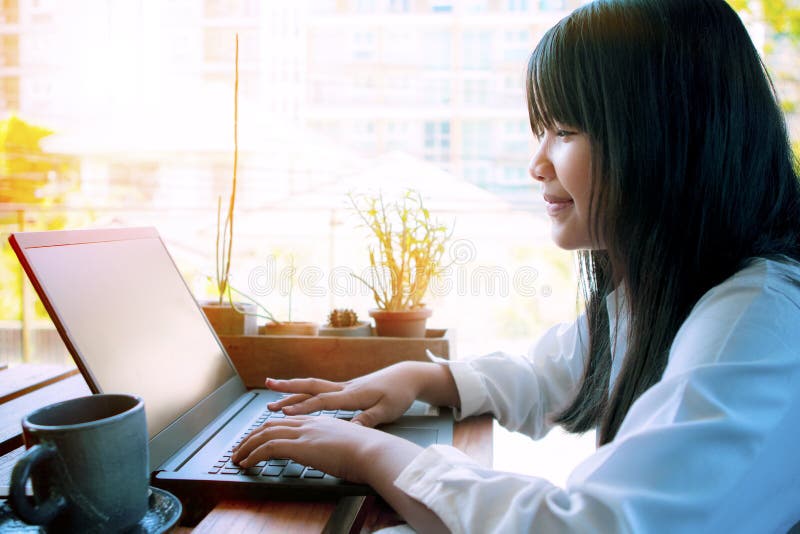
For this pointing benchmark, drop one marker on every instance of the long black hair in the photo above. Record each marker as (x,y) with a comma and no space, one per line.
(692,172)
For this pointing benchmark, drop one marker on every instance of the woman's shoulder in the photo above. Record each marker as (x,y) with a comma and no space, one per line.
(776,280)
(752,315)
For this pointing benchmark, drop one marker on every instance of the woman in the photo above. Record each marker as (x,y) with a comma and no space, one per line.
(665,162)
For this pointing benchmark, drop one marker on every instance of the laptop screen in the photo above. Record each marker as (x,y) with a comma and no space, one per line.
(133,321)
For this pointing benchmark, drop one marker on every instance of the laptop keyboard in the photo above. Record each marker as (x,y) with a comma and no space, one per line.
(274,467)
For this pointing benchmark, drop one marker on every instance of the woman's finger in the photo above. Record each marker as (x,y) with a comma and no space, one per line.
(372,417)
(264,435)
(288,400)
(274,448)
(287,422)
(324,401)
(311,386)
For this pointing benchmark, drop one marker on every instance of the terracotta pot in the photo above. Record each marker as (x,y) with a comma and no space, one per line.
(409,323)
(361,329)
(229,322)
(289,328)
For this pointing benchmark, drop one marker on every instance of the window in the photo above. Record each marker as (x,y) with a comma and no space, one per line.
(363,45)
(437,50)
(517,138)
(219,45)
(436,141)
(9,50)
(231,8)
(477,140)
(476,92)
(517,46)
(398,136)
(401,6)
(517,5)
(477,49)
(551,5)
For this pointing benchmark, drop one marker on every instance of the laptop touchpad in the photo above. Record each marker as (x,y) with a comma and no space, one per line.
(421,436)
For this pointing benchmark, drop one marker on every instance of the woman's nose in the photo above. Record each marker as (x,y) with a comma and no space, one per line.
(540,167)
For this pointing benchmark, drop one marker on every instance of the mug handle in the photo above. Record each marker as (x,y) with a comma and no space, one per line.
(39,514)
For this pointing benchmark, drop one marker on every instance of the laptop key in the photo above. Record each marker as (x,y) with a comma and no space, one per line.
(228,471)
(272,471)
(313,473)
(278,461)
(252,471)
(293,470)
(213,471)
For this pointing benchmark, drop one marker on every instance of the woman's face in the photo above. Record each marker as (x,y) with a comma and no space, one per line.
(562,163)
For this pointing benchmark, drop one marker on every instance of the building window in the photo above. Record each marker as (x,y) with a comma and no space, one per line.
(398,136)
(219,44)
(551,5)
(437,49)
(517,138)
(231,8)
(363,45)
(476,92)
(437,92)
(9,50)
(517,45)
(517,5)
(477,49)
(366,6)
(400,6)
(476,141)
(437,141)
(9,93)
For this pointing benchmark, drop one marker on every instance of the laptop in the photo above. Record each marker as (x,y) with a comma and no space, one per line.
(132,326)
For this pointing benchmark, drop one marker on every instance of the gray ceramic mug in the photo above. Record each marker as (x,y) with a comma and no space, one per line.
(88,460)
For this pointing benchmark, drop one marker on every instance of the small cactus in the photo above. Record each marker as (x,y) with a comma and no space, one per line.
(342,317)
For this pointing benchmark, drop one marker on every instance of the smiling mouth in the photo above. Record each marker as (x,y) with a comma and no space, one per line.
(557,205)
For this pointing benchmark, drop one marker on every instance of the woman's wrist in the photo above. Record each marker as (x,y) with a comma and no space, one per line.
(434,383)
(385,459)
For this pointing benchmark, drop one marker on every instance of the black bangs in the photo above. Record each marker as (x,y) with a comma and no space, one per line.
(554,79)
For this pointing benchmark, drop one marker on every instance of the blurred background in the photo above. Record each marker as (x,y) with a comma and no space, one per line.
(120,113)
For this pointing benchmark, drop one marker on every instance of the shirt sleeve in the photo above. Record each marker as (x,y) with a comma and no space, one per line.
(709,448)
(522,391)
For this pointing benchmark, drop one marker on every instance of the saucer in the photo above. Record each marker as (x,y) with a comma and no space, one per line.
(163,512)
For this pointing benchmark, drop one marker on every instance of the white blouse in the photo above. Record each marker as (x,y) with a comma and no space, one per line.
(714,446)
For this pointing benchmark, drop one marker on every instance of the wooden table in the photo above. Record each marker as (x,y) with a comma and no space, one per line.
(25,388)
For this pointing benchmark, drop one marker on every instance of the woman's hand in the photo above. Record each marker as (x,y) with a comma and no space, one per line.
(339,448)
(383,396)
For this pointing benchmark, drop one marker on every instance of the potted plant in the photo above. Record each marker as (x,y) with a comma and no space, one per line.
(229,318)
(344,322)
(406,254)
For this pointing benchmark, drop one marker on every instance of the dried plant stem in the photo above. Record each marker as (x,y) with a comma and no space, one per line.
(224,255)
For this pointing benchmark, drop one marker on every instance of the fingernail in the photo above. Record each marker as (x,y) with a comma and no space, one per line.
(358,423)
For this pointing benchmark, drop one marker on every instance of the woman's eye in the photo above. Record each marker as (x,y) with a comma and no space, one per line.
(564,133)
